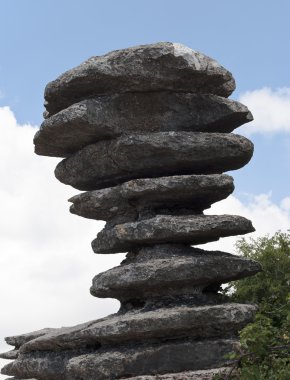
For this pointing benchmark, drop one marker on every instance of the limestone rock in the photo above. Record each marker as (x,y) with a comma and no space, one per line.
(19,340)
(189,192)
(156,67)
(114,363)
(13,354)
(107,163)
(195,229)
(196,322)
(163,358)
(147,132)
(208,374)
(106,117)
(50,366)
(15,378)
(167,275)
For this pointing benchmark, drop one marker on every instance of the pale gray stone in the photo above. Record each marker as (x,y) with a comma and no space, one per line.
(194,229)
(148,130)
(9,355)
(207,374)
(156,67)
(111,116)
(165,275)
(108,163)
(126,201)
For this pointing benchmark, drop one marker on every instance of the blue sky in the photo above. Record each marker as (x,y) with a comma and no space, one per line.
(46,261)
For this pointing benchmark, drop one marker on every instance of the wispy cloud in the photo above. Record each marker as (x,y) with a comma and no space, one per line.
(270,108)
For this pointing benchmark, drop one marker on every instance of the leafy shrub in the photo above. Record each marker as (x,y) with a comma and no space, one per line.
(265,343)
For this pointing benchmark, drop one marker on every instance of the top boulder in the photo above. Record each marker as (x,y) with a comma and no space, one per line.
(163,66)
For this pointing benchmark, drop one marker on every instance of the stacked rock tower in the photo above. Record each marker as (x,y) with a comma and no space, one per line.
(146,133)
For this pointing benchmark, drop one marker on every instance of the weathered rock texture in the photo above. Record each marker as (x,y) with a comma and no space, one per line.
(106,117)
(163,66)
(147,133)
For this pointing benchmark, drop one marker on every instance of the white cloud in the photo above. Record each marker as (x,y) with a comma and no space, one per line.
(270,108)
(46,262)
(266,216)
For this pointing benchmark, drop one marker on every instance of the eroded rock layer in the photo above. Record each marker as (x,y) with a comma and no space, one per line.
(110,162)
(146,132)
(149,272)
(157,67)
(106,117)
(173,194)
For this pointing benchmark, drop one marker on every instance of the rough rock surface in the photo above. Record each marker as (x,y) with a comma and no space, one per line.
(195,322)
(163,358)
(196,229)
(147,132)
(156,67)
(107,163)
(126,201)
(12,354)
(15,378)
(19,340)
(106,363)
(157,275)
(188,375)
(114,115)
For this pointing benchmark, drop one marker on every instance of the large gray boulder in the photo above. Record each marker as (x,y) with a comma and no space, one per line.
(110,116)
(176,193)
(171,274)
(107,163)
(192,229)
(164,66)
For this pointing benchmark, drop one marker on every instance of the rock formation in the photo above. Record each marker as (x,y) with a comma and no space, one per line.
(146,132)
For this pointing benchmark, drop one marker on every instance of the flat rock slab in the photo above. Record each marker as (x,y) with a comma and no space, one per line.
(19,340)
(207,374)
(161,359)
(126,201)
(196,229)
(9,355)
(50,366)
(156,67)
(109,163)
(111,116)
(15,378)
(104,364)
(196,322)
(165,276)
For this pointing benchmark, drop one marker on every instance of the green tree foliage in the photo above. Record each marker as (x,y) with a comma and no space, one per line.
(265,343)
